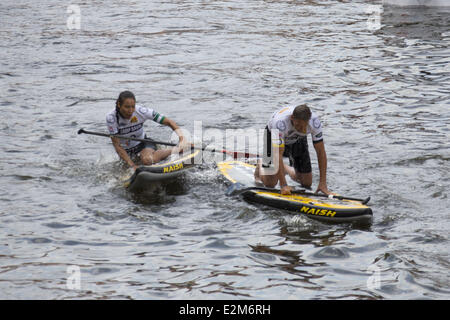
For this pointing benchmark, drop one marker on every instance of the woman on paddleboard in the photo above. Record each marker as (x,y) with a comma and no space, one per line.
(127,119)
(293,124)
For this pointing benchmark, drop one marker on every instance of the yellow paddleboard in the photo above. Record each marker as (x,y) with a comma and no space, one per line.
(316,207)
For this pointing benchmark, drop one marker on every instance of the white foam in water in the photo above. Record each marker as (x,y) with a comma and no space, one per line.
(105,169)
(295,220)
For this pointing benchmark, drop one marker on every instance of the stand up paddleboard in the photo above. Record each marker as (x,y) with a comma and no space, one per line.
(319,207)
(170,168)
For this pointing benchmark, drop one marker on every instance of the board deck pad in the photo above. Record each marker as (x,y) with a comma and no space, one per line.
(319,208)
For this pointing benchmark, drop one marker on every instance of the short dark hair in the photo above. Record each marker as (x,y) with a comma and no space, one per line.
(302,112)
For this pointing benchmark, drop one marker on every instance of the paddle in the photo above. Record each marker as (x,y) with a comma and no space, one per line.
(235,154)
(238,188)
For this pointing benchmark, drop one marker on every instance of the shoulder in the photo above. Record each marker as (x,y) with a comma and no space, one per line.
(146,112)
(281,118)
(314,122)
(111,122)
(285,111)
(111,117)
(143,110)
(316,128)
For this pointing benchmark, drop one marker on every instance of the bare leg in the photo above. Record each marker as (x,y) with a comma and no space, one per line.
(161,154)
(290,171)
(305,179)
(150,156)
(258,180)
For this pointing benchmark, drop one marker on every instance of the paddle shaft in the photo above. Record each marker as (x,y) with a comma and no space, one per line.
(235,154)
(123,137)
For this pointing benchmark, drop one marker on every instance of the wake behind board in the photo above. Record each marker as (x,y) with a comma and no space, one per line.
(172,167)
(316,207)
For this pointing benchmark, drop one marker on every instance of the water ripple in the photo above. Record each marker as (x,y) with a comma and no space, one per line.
(383,98)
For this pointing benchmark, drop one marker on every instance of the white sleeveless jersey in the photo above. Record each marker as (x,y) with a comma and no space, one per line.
(287,134)
(132,127)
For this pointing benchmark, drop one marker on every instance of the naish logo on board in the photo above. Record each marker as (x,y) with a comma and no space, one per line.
(319,212)
(175,167)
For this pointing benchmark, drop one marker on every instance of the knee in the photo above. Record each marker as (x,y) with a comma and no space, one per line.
(268,181)
(271,184)
(306,185)
(147,160)
(304,179)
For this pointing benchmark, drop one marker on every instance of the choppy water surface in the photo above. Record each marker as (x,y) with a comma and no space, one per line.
(383,97)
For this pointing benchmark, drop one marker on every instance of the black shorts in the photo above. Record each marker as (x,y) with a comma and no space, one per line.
(297,153)
(141,146)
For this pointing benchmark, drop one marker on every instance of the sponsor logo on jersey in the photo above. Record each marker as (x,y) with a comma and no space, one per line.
(316,123)
(143,110)
(281,125)
(110,118)
(131,129)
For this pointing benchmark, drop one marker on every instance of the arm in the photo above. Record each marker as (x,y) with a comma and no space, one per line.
(113,129)
(322,160)
(122,153)
(281,173)
(170,123)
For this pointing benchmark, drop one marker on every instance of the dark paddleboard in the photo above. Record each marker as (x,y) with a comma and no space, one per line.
(173,167)
(319,208)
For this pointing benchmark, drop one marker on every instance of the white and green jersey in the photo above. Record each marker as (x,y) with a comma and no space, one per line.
(287,134)
(133,127)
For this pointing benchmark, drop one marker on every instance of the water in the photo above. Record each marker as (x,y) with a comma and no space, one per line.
(383,97)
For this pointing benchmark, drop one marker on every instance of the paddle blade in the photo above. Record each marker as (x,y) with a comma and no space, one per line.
(234,189)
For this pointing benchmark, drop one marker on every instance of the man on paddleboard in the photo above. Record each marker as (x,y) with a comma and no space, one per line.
(127,119)
(293,125)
